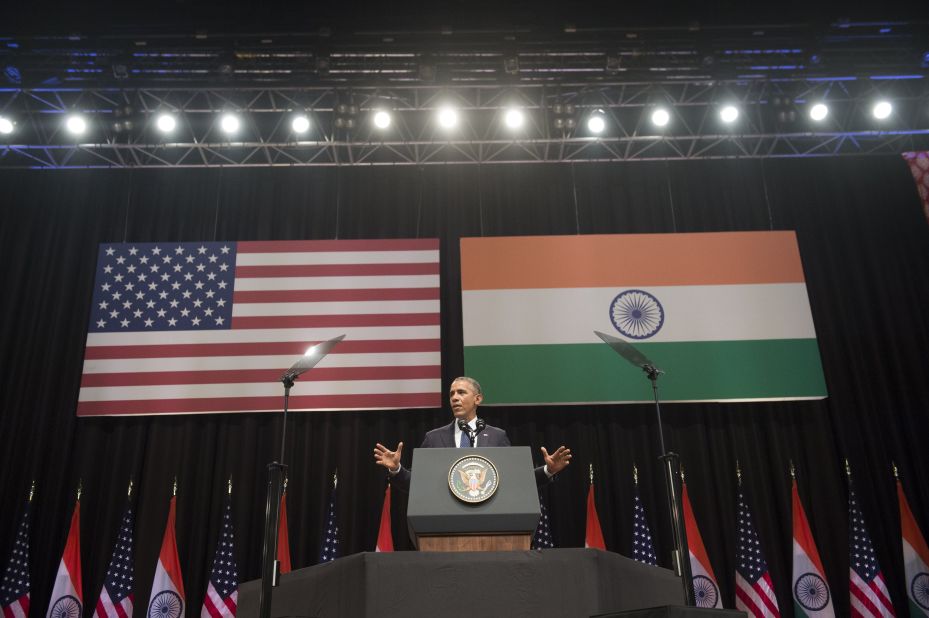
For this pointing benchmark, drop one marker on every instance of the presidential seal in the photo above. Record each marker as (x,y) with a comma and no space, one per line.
(473,479)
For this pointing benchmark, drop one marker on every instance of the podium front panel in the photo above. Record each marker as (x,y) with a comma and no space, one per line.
(433,509)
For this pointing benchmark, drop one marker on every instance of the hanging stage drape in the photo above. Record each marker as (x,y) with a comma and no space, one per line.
(864,244)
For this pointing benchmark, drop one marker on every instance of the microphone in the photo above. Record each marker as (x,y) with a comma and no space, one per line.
(465,428)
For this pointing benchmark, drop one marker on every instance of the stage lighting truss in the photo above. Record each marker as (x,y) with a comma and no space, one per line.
(773,122)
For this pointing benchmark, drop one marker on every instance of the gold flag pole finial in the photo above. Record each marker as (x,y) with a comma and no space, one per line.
(229,485)
(129,492)
(635,474)
(738,473)
(32,489)
(682,474)
(335,479)
(80,489)
(848,469)
(286,478)
(174,487)
(591,473)
(793,471)
(896,472)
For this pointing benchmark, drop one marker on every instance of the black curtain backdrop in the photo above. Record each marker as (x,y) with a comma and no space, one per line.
(865,249)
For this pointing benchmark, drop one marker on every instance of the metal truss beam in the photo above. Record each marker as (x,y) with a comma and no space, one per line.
(773,123)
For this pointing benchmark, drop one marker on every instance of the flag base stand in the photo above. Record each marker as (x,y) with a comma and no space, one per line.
(270,565)
(670,464)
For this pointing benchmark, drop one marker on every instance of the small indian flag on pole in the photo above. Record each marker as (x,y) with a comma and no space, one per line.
(725,315)
(812,597)
(915,557)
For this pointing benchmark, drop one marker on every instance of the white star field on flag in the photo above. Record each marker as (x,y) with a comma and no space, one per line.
(642,548)
(330,549)
(14,589)
(152,287)
(542,539)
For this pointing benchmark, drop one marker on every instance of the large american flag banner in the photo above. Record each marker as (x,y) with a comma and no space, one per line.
(14,588)
(869,596)
(181,328)
(116,595)
(754,591)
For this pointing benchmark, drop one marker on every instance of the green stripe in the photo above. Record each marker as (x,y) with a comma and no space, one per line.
(694,371)
(798,611)
(915,610)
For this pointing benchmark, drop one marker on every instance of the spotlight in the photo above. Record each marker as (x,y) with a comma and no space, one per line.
(75,124)
(166,123)
(300,123)
(819,111)
(229,123)
(448,118)
(729,114)
(882,109)
(6,125)
(513,118)
(596,123)
(660,117)
(381,119)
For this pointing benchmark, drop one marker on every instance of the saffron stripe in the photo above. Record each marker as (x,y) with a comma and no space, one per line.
(629,260)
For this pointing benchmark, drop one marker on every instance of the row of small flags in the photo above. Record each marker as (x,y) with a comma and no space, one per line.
(754,588)
(812,597)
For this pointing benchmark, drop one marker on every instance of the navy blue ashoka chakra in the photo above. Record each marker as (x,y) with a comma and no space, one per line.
(637,314)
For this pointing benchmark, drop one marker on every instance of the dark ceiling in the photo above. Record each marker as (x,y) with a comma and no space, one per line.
(350,16)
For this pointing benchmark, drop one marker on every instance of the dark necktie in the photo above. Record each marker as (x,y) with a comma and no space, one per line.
(465,441)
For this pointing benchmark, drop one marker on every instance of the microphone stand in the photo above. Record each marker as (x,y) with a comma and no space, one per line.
(671,464)
(270,566)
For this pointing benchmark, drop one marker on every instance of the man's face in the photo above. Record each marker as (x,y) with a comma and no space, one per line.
(464,400)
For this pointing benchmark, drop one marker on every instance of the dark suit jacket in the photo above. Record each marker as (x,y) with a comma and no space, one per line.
(444,437)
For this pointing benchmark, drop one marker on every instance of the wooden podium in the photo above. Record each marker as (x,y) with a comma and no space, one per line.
(439,521)
(475,542)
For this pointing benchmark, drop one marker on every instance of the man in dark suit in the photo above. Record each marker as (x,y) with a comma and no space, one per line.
(465,396)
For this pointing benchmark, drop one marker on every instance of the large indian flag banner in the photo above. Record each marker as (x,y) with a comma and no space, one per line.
(725,315)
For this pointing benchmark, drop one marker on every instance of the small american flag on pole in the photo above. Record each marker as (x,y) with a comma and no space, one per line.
(181,328)
(869,594)
(116,596)
(222,592)
(330,546)
(643,549)
(14,589)
(754,592)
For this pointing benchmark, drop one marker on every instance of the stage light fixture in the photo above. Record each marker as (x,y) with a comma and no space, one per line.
(381,119)
(448,118)
(300,123)
(75,124)
(729,114)
(229,123)
(882,110)
(6,125)
(661,117)
(819,111)
(166,123)
(596,123)
(514,118)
